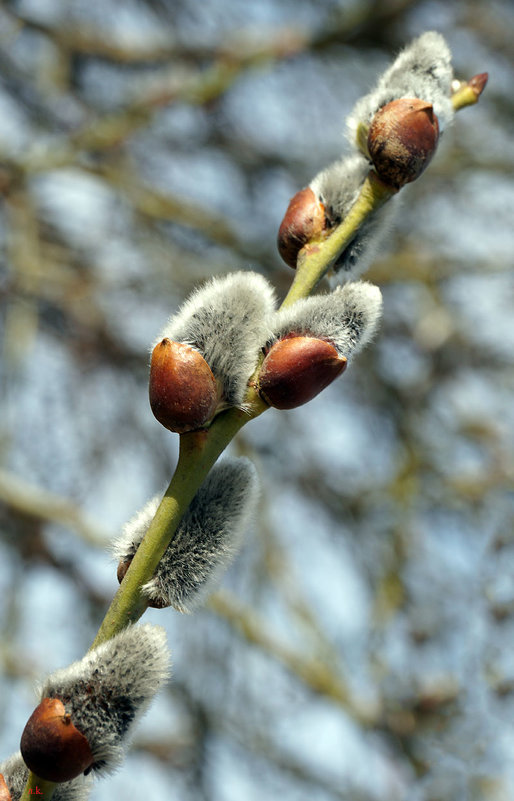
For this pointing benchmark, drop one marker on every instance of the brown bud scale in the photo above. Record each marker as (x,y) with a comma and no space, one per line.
(402,139)
(51,746)
(183,390)
(296,369)
(123,566)
(303,221)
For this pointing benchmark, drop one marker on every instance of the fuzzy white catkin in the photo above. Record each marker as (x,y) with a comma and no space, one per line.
(225,320)
(15,773)
(106,691)
(347,317)
(338,187)
(206,540)
(422,69)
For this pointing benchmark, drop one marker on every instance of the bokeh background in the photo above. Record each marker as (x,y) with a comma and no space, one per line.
(362,645)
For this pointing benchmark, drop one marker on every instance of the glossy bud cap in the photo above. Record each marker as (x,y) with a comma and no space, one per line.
(402,139)
(296,369)
(183,390)
(5,795)
(51,746)
(303,221)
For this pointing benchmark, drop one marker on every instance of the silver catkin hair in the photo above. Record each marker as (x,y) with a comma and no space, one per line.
(347,317)
(423,69)
(206,540)
(225,320)
(107,691)
(338,187)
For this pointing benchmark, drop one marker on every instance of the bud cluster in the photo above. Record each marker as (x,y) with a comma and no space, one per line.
(293,354)
(301,350)
(395,129)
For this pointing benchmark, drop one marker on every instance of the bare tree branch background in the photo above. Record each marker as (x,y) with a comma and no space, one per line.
(361,645)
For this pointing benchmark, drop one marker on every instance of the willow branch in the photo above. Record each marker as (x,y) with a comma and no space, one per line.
(199,450)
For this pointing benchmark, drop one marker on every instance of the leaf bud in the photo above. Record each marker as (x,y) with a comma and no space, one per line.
(154,603)
(51,745)
(296,369)
(402,139)
(467,93)
(183,390)
(478,83)
(303,222)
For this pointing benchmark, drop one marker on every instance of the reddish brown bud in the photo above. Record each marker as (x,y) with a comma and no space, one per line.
(5,795)
(123,566)
(51,746)
(296,369)
(402,139)
(183,391)
(303,221)
(478,83)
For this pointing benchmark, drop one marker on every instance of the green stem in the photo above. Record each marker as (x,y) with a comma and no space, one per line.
(469,92)
(37,787)
(200,449)
(198,452)
(315,259)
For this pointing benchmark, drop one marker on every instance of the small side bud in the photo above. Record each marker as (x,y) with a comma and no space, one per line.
(51,745)
(402,139)
(304,221)
(467,93)
(4,790)
(123,566)
(478,83)
(183,391)
(133,532)
(297,369)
